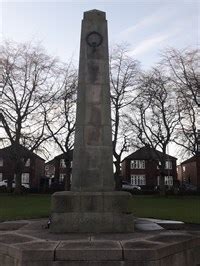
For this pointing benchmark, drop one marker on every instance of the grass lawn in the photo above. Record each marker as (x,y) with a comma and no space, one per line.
(24,207)
(183,208)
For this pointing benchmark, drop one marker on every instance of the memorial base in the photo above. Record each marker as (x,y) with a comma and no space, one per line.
(91,212)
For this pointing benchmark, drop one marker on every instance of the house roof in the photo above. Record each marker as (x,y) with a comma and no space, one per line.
(60,156)
(148,153)
(23,150)
(51,162)
(192,159)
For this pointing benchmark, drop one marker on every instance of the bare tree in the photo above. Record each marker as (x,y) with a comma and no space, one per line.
(123,79)
(154,117)
(60,120)
(29,78)
(184,70)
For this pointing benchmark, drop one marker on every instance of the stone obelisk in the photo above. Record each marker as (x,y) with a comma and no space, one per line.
(92,160)
(92,205)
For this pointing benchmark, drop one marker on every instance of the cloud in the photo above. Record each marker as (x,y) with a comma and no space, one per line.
(155,40)
(149,43)
(141,24)
(155,18)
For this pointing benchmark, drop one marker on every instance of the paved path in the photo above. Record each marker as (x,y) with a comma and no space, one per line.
(29,243)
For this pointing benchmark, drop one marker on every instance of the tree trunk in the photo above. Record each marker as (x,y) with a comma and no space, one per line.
(67,178)
(18,172)
(18,184)
(9,184)
(117,175)
(162,179)
(68,173)
(162,185)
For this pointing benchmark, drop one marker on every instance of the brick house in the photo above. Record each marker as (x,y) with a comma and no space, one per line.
(32,172)
(56,168)
(142,168)
(189,171)
(50,169)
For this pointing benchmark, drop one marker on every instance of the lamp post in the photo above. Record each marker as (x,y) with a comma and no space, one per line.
(198,123)
(1,85)
(1,95)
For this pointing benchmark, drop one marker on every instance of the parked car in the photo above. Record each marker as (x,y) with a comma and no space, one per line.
(25,185)
(126,186)
(4,183)
(188,187)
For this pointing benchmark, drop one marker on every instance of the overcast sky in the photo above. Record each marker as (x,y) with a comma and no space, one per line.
(148,26)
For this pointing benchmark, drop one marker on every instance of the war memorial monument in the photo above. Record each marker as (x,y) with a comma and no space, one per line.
(91,224)
(92,205)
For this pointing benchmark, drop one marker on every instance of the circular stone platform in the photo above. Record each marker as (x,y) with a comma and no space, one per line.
(30,243)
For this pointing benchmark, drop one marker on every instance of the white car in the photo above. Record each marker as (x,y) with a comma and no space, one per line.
(25,185)
(126,186)
(4,183)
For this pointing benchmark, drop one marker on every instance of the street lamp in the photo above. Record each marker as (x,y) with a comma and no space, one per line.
(198,122)
(1,85)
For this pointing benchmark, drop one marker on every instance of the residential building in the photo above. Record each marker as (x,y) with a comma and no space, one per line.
(56,168)
(189,171)
(32,172)
(50,169)
(142,168)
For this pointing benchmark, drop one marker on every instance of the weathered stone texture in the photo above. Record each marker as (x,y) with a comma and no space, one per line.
(29,248)
(89,251)
(92,159)
(122,252)
(92,205)
(91,212)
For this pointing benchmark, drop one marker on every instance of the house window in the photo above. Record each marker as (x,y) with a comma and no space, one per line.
(62,163)
(28,162)
(1,177)
(168,180)
(137,164)
(198,147)
(138,180)
(168,164)
(184,168)
(25,178)
(61,178)
(1,161)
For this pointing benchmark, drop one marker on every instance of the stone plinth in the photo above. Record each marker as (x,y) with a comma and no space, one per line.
(91,212)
